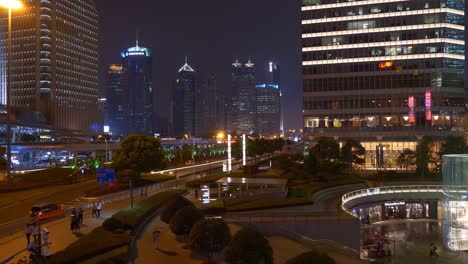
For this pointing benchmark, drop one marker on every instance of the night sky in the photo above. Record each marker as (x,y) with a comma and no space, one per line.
(212,33)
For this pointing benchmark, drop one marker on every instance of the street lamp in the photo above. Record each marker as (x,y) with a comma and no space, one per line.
(10,5)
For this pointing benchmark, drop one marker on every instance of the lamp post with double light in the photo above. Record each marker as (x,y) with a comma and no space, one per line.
(10,5)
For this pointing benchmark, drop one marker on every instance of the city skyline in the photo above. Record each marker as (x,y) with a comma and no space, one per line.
(211,47)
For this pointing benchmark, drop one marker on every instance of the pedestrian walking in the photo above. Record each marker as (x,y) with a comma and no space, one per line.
(99,208)
(94,210)
(196,194)
(434,251)
(156,238)
(72,223)
(45,238)
(35,232)
(28,231)
(73,211)
(80,216)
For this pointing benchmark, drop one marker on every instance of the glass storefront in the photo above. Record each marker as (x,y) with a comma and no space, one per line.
(398,210)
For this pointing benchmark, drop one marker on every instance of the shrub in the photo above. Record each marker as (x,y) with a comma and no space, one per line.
(311,257)
(111,224)
(172,207)
(248,246)
(209,236)
(184,219)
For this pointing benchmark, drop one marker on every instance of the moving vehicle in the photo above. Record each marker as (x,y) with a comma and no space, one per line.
(46,212)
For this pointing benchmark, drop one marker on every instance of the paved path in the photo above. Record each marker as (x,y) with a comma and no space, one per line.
(60,235)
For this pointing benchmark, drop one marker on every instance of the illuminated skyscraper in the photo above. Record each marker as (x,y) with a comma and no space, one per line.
(114,117)
(137,91)
(242,108)
(268,103)
(385,73)
(184,110)
(54,62)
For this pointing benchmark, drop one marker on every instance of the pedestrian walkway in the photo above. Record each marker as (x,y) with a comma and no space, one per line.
(60,235)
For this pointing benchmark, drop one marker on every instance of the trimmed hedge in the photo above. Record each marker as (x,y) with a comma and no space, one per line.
(311,257)
(184,219)
(172,207)
(248,246)
(115,231)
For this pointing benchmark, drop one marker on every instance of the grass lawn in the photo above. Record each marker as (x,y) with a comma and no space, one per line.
(48,176)
(237,174)
(307,190)
(156,178)
(258,204)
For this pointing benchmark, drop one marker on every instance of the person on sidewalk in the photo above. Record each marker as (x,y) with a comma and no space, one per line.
(99,208)
(94,210)
(35,233)
(45,237)
(28,231)
(80,216)
(156,238)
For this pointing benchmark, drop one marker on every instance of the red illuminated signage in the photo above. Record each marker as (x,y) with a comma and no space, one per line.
(411,105)
(428,104)
(386,65)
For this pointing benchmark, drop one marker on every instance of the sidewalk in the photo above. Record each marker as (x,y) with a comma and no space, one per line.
(60,234)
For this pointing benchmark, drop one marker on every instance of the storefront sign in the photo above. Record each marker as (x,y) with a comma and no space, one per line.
(205,189)
(395,203)
(428,104)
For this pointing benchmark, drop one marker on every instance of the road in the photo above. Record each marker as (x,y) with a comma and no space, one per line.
(14,206)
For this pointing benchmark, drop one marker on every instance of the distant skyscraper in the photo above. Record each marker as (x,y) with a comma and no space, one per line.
(210,108)
(242,108)
(137,90)
(269,102)
(385,73)
(114,117)
(54,62)
(184,111)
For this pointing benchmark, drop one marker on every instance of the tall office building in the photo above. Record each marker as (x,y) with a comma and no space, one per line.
(210,108)
(385,73)
(137,91)
(54,62)
(242,108)
(184,110)
(268,103)
(114,116)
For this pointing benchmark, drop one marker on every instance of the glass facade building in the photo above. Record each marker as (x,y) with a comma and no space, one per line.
(114,100)
(137,91)
(383,71)
(54,62)
(184,110)
(242,107)
(268,103)
(455,182)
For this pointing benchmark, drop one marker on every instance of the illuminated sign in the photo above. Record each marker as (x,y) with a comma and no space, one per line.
(205,189)
(385,65)
(271,66)
(411,105)
(428,104)
(115,67)
(106,129)
(395,203)
(136,53)
(276,86)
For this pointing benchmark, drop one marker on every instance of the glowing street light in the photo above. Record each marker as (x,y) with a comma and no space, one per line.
(10,4)
(220,135)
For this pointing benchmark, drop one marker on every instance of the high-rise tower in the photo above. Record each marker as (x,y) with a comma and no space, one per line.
(115,110)
(385,73)
(242,108)
(268,103)
(137,90)
(54,62)
(184,110)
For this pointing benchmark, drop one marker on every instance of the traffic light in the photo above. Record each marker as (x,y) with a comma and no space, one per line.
(96,164)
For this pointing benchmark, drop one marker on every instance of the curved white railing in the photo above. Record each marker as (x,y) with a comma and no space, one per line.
(400,189)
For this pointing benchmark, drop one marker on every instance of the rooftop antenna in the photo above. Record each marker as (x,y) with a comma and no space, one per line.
(137,38)
(186,59)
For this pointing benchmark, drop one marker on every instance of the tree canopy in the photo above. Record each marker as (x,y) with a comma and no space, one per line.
(326,149)
(140,153)
(172,207)
(424,155)
(209,236)
(353,151)
(184,219)
(248,246)
(453,145)
(406,158)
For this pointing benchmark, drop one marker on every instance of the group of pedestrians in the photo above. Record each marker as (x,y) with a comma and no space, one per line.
(97,207)
(34,246)
(76,220)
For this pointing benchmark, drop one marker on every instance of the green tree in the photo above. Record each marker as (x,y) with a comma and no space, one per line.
(172,207)
(3,162)
(406,159)
(248,246)
(453,145)
(326,149)
(311,257)
(187,153)
(209,236)
(353,151)
(140,153)
(184,219)
(311,164)
(424,155)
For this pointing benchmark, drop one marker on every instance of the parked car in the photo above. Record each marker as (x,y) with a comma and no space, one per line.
(264,168)
(46,212)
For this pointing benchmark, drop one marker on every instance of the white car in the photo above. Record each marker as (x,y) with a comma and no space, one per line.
(264,168)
